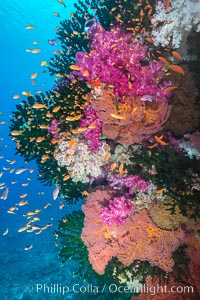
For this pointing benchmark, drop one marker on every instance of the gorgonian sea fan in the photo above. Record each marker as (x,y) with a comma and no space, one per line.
(119,60)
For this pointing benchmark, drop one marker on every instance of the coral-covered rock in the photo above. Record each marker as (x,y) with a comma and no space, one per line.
(184,115)
(195,139)
(131,121)
(163,218)
(189,289)
(138,238)
(193,248)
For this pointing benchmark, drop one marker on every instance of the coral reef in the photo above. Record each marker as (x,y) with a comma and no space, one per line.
(81,163)
(174,23)
(161,216)
(138,238)
(186,289)
(135,121)
(110,132)
(184,115)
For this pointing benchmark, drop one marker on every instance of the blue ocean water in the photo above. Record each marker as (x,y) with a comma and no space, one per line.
(21,271)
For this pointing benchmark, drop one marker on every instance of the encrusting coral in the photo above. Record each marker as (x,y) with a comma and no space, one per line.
(163,218)
(138,238)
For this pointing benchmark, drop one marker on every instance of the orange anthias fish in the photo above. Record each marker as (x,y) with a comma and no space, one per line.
(34,75)
(36,50)
(75,68)
(121,167)
(30,27)
(62,3)
(170,88)
(160,140)
(164,60)
(177,55)
(178,69)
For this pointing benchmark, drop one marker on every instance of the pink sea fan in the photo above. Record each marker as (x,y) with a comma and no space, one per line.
(117,211)
(137,239)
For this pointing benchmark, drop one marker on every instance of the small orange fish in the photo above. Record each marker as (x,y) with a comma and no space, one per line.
(160,140)
(160,191)
(121,167)
(44,126)
(56,14)
(16,132)
(82,129)
(67,177)
(152,146)
(23,195)
(84,193)
(75,68)
(113,166)
(170,88)
(34,75)
(40,139)
(22,203)
(86,73)
(43,63)
(56,109)
(164,60)
(27,94)
(16,96)
(72,144)
(177,55)
(107,156)
(115,116)
(62,3)
(149,40)
(54,141)
(44,158)
(178,69)
(76,118)
(39,106)
(92,126)
(22,229)
(36,50)
(30,27)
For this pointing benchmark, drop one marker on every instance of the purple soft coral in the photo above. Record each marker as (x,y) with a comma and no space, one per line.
(118,209)
(117,60)
(94,130)
(131,182)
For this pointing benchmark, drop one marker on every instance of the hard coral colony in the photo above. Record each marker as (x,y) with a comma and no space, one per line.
(100,135)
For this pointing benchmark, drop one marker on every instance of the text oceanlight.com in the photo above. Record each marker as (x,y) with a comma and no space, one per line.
(62,289)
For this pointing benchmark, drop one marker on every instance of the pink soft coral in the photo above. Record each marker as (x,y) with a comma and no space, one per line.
(117,211)
(137,239)
(118,60)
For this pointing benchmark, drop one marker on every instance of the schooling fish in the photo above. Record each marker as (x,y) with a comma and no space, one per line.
(30,27)
(28,247)
(5,231)
(89,23)
(62,2)
(53,42)
(56,192)
(4,196)
(21,170)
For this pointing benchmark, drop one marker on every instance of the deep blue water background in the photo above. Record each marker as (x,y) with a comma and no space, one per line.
(21,270)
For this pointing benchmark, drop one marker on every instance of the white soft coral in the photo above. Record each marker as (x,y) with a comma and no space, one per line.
(177,23)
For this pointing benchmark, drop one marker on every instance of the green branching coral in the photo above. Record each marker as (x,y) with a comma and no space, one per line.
(175,173)
(29,129)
